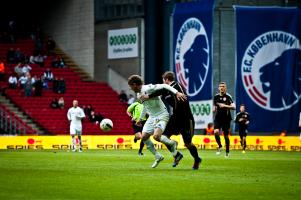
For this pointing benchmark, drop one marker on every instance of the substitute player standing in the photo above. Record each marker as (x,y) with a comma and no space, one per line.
(181,120)
(158,116)
(243,119)
(75,115)
(223,104)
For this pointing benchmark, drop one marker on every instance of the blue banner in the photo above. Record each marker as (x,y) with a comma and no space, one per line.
(268,66)
(192,39)
(192,45)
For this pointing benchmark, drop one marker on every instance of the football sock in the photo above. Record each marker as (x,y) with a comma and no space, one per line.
(168,142)
(141,146)
(218,140)
(80,141)
(241,141)
(150,146)
(245,144)
(193,151)
(168,147)
(227,141)
(73,142)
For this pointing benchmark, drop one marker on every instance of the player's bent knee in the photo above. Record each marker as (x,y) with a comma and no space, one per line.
(188,145)
(138,136)
(145,136)
(157,137)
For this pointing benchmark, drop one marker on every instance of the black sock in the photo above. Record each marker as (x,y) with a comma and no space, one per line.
(218,140)
(227,141)
(241,141)
(141,146)
(245,144)
(168,147)
(80,142)
(193,151)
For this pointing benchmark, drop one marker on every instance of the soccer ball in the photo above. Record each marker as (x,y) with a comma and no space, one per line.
(106,125)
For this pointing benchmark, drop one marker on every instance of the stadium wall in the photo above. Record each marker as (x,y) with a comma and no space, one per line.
(116,71)
(71,24)
(257,143)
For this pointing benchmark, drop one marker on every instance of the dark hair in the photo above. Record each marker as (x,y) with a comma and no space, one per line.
(169,75)
(135,79)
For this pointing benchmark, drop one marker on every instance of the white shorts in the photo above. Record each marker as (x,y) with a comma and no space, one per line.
(155,122)
(75,130)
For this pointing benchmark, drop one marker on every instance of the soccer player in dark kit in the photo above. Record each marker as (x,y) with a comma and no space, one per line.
(223,104)
(181,120)
(243,119)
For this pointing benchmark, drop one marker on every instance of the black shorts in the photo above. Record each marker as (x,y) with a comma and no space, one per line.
(136,128)
(242,132)
(183,126)
(222,125)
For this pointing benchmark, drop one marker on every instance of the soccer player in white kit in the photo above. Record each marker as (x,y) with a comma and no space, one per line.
(75,115)
(158,116)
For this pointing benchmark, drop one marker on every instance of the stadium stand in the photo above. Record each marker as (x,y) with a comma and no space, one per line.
(10,123)
(54,121)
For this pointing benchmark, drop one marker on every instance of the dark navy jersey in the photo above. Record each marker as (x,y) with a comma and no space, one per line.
(245,117)
(222,114)
(180,108)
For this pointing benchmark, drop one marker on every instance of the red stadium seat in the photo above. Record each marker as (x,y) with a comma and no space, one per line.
(100,95)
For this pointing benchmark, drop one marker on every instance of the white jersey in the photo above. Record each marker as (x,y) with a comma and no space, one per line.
(75,115)
(154,106)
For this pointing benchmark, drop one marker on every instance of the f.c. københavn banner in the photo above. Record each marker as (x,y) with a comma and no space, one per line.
(192,39)
(269,66)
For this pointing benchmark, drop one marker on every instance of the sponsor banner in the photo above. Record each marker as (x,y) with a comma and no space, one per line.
(64,142)
(202,112)
(123,43)
(269,66)
(192,45)
(271,143)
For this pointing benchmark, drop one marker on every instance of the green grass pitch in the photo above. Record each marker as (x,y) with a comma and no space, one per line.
(122,174)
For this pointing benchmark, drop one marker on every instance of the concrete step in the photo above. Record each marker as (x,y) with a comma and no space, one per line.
(4,101)
(21,115)
(12,108)
(72,64)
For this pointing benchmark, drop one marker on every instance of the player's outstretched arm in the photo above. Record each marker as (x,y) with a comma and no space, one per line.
(180,96)
(156,93)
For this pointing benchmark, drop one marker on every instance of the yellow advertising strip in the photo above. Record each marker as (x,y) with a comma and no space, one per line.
(270,143)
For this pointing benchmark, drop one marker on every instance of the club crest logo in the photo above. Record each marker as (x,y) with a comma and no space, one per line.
(271,70)
(192,56)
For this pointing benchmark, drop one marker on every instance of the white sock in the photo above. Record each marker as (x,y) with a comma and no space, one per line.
(150,146)
(165,140)
(73,143)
